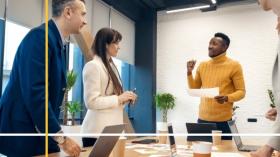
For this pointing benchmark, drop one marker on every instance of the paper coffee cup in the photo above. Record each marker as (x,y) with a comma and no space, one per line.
(216,137)
(202,149)
(162,138)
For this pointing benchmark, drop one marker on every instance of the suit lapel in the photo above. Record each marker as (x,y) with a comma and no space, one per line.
(276,77)
(62,52)
(63,58)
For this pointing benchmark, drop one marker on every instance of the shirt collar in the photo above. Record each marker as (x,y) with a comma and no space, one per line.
(220,58)
(64,40)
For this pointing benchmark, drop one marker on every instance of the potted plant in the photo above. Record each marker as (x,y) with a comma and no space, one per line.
(271,97)
(164,102)
(234,108)
(70,81)
(73,108)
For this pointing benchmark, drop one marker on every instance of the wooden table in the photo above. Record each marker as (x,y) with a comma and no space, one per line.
(226,149)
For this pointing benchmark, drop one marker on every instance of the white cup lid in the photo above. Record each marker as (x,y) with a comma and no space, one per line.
(202,147)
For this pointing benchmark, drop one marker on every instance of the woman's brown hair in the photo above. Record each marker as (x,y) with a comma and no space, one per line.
(106,36)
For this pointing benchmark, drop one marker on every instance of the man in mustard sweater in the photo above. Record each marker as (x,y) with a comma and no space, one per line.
(223,72)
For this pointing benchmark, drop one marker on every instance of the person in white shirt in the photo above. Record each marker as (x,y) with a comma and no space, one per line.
(274,142)
(103,92)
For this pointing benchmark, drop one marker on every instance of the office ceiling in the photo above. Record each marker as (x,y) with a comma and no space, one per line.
(135,9)
(176,4)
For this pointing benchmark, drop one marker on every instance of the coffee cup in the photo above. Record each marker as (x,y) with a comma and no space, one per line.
(202,149)
(216,137)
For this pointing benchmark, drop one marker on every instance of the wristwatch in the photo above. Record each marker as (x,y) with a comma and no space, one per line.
(60,139)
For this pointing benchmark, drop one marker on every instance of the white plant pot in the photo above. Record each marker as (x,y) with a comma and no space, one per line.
(162,126)
(71,128)
(69,122)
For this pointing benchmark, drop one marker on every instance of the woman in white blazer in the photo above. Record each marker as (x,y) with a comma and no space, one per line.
(273,114)
(103,93)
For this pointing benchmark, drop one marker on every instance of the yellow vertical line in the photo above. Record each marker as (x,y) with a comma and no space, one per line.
(46,78)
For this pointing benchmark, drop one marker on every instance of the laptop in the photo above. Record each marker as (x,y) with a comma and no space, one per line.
(240,146)
(105,144)
(200,128)
(172,141)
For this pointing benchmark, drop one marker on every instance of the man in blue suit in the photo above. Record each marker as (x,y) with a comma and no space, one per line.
(22,106)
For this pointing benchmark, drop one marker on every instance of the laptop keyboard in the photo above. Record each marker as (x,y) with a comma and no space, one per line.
(249,148)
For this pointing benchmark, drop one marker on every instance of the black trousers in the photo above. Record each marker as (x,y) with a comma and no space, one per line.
(87,142)
(223,126)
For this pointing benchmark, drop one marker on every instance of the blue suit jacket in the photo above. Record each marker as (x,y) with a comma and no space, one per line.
(22,106)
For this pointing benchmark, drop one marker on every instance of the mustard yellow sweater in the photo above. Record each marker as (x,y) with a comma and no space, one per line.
(224,73)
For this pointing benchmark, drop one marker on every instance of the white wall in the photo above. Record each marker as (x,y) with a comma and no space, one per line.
(98,16)
(127,28)
(119,22)
(100,21)
(185,36)
(28,13)
(89,15)
(2,8)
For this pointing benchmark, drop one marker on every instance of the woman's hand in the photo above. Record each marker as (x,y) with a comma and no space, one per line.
(126,97)
(271,114)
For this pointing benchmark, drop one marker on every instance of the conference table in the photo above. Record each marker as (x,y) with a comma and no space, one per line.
(225,149)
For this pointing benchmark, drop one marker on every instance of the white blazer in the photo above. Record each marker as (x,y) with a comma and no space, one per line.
(274,141)
(103,108)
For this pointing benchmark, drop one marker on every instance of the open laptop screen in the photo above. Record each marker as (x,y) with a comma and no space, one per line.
(105,144)
(200,128)
(172,141)
(234,130)
(171,137)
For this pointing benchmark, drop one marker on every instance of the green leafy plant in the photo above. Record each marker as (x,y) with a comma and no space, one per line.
(70,82)
(271,96)
(71,79)
(73,108)
(234,108)
(164,102)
